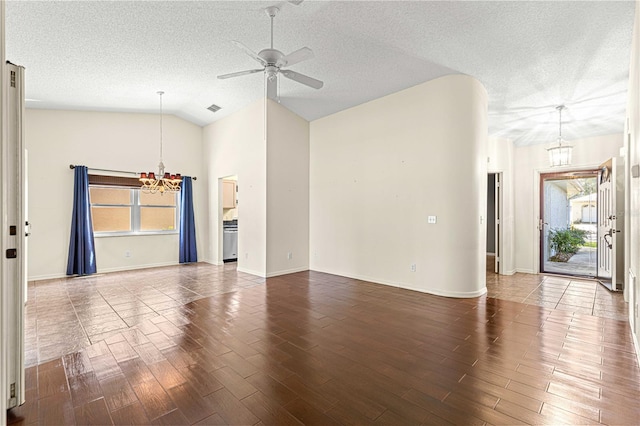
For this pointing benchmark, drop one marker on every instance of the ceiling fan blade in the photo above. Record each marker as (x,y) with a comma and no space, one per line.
(249,52)
(296,57)
(239,73)
(301,78)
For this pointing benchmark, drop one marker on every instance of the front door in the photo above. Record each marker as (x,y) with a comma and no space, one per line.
(609,223)
(568,237)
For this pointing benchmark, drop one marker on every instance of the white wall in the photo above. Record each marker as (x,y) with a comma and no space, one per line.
(632,149)
(287,191)
(529,162)
(421,151)
(500,160)
(119,141)
(235,145)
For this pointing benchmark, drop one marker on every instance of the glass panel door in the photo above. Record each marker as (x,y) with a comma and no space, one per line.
(569,223)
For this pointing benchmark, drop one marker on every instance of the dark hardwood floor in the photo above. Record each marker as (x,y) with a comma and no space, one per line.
(203,344)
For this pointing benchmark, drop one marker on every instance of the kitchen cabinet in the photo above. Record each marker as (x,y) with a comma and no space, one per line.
(228,194)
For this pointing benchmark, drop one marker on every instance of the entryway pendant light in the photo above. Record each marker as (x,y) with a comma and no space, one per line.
(560,155)
(165,181)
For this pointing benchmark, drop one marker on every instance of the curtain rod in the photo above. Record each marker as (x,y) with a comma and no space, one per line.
(71,166)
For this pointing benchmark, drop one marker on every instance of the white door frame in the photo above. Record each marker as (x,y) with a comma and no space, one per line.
(219,259)
(219,255)
(498,225)
(4,332)
(14,278)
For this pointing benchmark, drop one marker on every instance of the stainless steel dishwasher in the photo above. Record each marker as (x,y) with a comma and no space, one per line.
(230,240)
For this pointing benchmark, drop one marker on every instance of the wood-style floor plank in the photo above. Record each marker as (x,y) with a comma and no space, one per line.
(209,345)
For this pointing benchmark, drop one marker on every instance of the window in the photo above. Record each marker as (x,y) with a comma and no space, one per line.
(158,212)
(122,210)
(111,209)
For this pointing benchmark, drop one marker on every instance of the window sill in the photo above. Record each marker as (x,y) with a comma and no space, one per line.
(133,234)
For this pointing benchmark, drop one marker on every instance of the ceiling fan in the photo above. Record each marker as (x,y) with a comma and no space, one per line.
(273,61)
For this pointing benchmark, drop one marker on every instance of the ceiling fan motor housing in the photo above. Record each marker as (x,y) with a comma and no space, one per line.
(272,56)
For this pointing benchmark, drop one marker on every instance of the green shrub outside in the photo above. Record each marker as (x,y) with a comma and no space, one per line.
(567,240)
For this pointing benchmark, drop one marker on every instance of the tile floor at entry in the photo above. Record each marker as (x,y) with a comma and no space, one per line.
(557,292)
(206,344)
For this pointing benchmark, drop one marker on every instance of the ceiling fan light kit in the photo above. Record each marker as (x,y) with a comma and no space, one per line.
(273,61)
(560,155)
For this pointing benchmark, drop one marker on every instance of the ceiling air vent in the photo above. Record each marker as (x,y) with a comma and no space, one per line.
(214,108)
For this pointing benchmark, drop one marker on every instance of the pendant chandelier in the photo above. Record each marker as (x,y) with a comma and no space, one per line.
(560,155)
(163,181)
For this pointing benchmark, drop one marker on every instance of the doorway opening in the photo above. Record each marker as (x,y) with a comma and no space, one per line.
(569,223)
(229,225)
(494,207)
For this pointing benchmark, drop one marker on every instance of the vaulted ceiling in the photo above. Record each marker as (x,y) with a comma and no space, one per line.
(530,56)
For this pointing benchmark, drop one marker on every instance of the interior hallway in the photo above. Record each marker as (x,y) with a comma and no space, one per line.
(201,343)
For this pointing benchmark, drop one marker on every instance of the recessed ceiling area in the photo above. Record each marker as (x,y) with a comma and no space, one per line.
(530,56)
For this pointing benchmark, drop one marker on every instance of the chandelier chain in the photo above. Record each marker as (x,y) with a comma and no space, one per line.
(560,108)
(161,93)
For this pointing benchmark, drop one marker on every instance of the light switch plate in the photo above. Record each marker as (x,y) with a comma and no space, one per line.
(432,219)
(635,171)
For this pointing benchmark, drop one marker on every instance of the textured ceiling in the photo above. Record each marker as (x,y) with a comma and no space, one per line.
(531,56)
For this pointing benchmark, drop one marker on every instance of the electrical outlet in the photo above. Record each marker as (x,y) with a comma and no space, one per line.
(127,253)
(432,219)
(246,255)
(289,255)
(413,267)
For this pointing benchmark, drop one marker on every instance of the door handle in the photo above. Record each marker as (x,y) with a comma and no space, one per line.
(606,239)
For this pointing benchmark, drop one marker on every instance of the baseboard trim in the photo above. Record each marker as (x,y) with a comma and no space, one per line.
(251,272)
(135,267)
(288,271)
(453,294)
(103,271)
(357,277)
(511,272)
(435,292)
(526,271)
(47,277)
